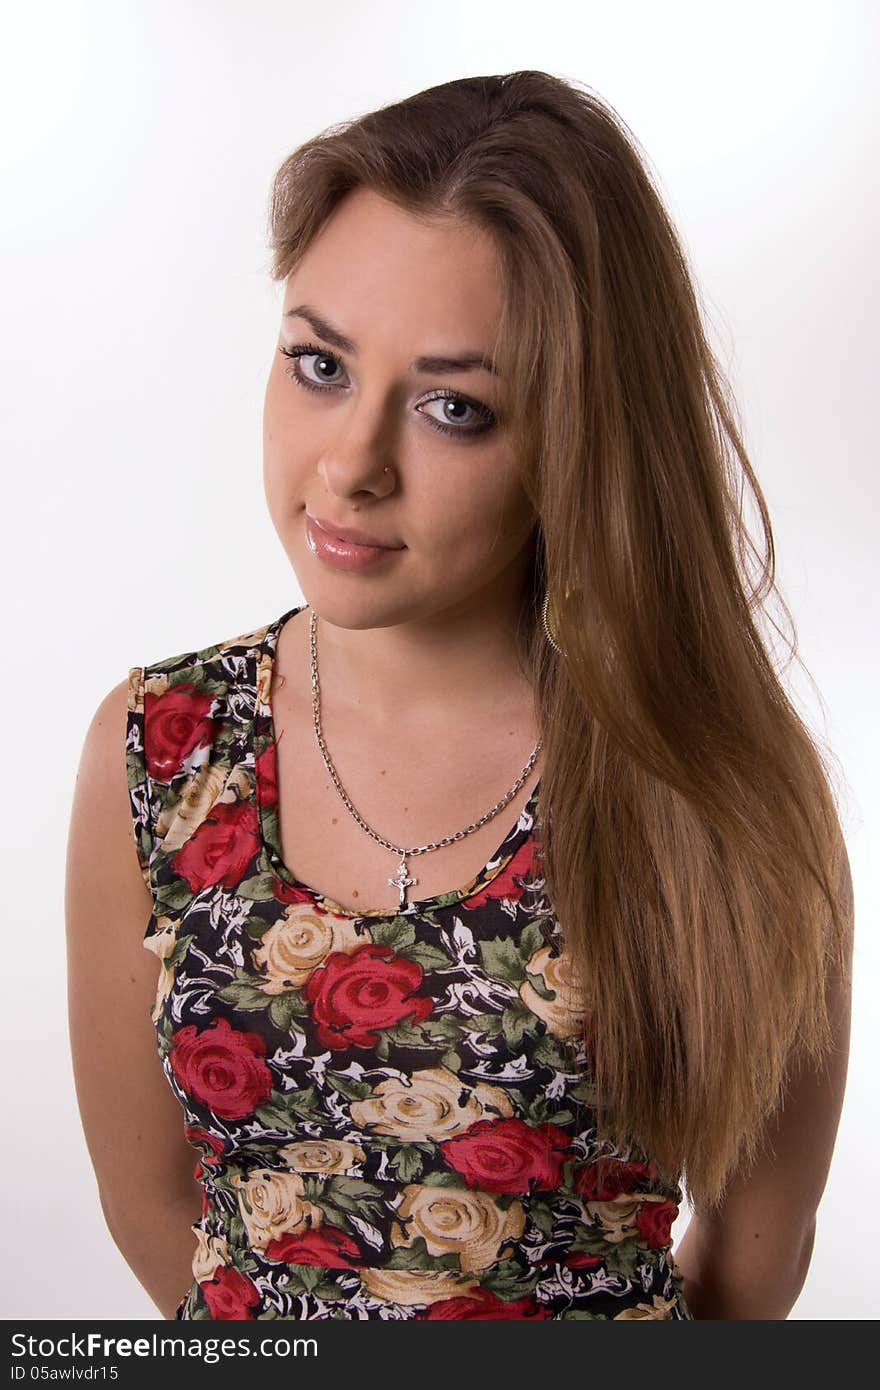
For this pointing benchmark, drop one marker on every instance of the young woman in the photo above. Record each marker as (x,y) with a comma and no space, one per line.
(498,891)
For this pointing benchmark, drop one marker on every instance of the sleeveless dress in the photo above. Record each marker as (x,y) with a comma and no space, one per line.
(391,1112)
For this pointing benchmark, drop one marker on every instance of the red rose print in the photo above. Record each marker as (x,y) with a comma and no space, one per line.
(620,1179)
(194,1134)
(486,1305)
(580,1259)
(174,724)
(230,1294)
(355,994)
(326,1246)
(508,1155)
(577,1259)
(220,850)
(508,883)
(221,1067)
(287,893)
(654,1220)
(266,768)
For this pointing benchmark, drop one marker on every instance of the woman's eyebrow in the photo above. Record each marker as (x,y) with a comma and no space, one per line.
(464,362)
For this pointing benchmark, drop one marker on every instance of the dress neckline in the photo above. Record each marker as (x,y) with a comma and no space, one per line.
(266,795)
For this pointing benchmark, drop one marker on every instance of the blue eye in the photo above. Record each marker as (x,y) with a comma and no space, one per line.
(306,350)
(485,418)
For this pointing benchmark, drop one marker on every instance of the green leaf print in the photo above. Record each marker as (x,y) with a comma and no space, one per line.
(354,1187)
(442,1028)
(348,1087)
(622,1256)
(171,897)
(542,1216)
(427,956)
(236,1229)
(585,1091)
(537,1110)
(328,1291)
(531,939)
(196,673)
(490,1024)
(257,926)
(259,888)
(440,1178)
(507,1280)
(279,1111)
(397,932)
(417,1256)
(451,1060)
(284,1009)
(180,950)
(274,1117)
(538,985)
(407,1163)
(501,959)
(516,1021)
(244,996)
(337,1204)
(406,1035)
(305,1278)
(548,1053)
(337,1213)
(302,1100)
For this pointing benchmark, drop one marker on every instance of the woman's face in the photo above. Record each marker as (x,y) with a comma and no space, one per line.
(361,435)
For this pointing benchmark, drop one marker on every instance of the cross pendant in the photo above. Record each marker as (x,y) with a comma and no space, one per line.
(401,881)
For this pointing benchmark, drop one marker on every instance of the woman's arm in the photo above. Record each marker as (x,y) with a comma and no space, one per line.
(751,1258)
(133,1123)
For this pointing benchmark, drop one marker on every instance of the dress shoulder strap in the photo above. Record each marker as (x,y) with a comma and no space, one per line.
(188,724)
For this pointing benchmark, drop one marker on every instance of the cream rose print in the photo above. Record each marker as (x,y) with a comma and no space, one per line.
(210,1252)
(298,943)
(163,942)
(431,1104)
(272,1204)
(413,1287)
(452,1220)
(321,1155)
(564,1013)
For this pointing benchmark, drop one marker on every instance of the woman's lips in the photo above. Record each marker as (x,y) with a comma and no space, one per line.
(345,555)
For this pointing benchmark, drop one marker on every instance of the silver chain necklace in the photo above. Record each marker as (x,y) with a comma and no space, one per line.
(401,881)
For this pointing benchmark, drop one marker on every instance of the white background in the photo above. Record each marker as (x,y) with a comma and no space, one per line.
(138,145)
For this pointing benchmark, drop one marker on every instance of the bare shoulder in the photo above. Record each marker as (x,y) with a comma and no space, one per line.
(112,980)
(101,849)
(101,836)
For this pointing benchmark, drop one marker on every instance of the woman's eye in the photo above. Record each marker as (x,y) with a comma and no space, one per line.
(303,352)
(458,415)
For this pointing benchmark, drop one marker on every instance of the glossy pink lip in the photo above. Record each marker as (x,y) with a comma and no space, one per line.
(344,554)
(349,533)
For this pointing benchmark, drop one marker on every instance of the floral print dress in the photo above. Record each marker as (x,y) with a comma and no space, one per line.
(391,1113)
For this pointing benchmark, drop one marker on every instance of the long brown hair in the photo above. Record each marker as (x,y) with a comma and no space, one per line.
(692,849)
